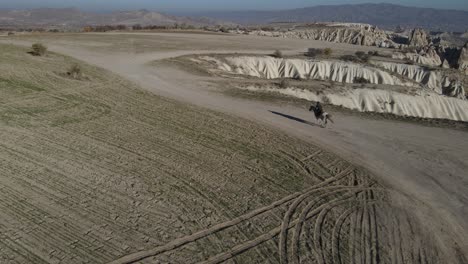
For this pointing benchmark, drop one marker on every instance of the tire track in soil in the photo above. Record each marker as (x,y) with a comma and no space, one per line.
(198,235)
(285,224)
(398,243)
(271,234)
(287,217)
(367,231)
(374,234)
(336,256)
(362,224)
(303,216)
(336,233)
(300,164)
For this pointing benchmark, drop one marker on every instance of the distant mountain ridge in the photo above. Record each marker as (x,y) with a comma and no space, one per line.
(73,17)
(387,16)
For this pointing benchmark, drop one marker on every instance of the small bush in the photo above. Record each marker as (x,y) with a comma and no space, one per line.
(10,33)
(359,54)
(409,50)
(224,30)
(325,100)
(351,58)
(267,28)
(278,54)
(75,71)
(360,80)
(328,52)
(284,83)
(373,53)
(312,52)
(363,57)
(38,49)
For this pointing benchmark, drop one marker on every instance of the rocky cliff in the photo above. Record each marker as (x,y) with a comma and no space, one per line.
(438,81)
(356,34)
(337,71)
(418,38)
(427,56)
(437,95)
(381,101)
(386,73)
(463,59)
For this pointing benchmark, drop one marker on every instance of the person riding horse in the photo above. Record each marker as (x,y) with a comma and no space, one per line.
(320,114)
(318,109)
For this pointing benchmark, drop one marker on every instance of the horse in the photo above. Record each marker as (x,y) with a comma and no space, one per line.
(321,116)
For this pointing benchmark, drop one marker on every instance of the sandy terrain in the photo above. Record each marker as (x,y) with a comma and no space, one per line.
(421,171)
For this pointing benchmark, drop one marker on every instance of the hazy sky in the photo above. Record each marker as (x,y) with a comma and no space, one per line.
(214,4)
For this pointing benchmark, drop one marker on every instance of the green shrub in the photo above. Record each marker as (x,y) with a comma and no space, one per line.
(363,57)
(360,80)
(328,52)
(351,58)
(278,54)
(312,52)
(284,83)
(38,49)
(75,71)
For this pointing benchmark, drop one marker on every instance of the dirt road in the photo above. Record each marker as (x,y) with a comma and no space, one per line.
(426,167)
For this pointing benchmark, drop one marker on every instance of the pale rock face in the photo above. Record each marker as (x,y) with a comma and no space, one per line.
(363,35)
(445,64)
(380,101)
(426,103)
(463,60)
(418,38)
(453,87)
(437,81)
(426,56)
(386,73)
(273,68)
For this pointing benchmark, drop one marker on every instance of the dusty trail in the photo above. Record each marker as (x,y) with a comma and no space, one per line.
(426,167)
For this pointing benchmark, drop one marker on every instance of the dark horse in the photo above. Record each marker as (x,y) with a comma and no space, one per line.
(320,115)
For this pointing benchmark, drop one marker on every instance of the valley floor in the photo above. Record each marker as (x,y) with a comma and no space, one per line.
(411,208)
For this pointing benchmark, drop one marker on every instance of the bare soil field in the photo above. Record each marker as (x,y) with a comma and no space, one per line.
(97,170)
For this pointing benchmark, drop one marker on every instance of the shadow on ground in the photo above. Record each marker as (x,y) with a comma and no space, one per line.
(294,118)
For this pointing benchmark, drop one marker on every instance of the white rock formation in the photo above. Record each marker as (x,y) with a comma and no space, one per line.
(380,101)
(428,103)
(273,68)
(418,38)
(463,60)
(386,73)
(366,35)
(437,81)
(445,64)
(426,56)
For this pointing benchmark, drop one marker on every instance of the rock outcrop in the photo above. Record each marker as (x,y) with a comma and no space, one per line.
(418,38)
(356,34)
(381,101)
(386,73)
(463,59)
(438,81)
(427,56)
(337,71)
(427,101)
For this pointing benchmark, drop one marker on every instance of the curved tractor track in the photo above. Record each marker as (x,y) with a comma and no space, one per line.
(345,218)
